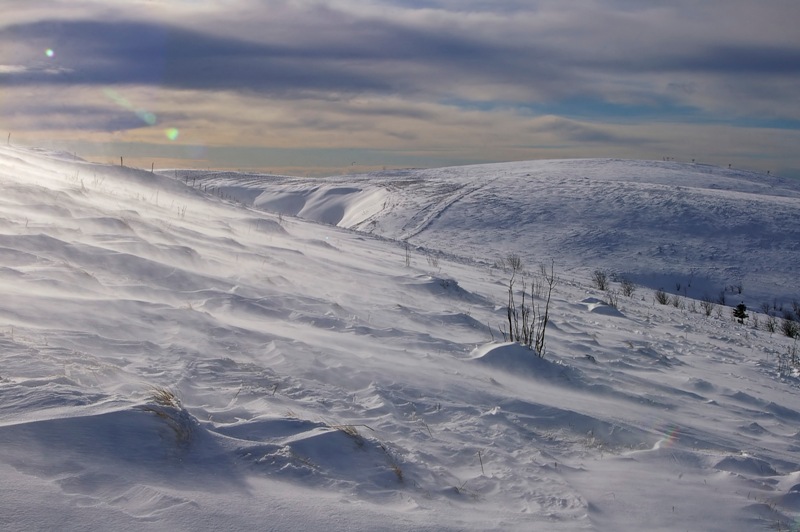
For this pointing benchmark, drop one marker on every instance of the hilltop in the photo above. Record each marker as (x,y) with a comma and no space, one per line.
(691,229)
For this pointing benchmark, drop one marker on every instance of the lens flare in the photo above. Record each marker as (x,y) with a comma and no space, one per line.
(147,117)
(671,435)
(172,133)
(49,52)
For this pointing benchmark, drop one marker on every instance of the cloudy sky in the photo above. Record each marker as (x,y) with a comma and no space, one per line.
(311,87)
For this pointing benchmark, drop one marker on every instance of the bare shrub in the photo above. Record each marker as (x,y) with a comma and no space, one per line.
(613,298)
(628,288)
(661,296)
(789,360)
(551,280)
(527,323)
(537,285)
(771,324)
(512,263)
(707,305)
(790,328)
(600,279)
(676,301)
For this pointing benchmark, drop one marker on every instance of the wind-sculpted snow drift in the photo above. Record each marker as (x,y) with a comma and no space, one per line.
(171,360)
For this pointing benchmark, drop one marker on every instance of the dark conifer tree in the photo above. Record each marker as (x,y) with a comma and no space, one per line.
(740,312)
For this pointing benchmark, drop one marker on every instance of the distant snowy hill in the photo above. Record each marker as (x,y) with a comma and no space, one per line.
(691,229)
(173,360)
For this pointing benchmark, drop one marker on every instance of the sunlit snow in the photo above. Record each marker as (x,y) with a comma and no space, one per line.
(206,351)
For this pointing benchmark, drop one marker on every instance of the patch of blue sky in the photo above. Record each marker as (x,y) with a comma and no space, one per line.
(583,108)
(765,123)
(597,110)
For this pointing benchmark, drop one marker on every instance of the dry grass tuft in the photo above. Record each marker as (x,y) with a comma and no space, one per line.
(165,397)
(397,471)
(167,406)
(352,432)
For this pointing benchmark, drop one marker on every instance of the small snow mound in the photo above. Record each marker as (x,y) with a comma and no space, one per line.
(782,411)
(597,306)
(445,287)
(745,398)
(700,384)
(753,428)
(264,225)
(789,501)
(746,465)
(516,358)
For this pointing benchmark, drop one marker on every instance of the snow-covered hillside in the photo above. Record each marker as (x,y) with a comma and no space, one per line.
(691,229)
(175,361)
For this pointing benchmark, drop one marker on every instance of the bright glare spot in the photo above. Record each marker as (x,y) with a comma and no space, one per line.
(49,52)
(172,133)
(147,117)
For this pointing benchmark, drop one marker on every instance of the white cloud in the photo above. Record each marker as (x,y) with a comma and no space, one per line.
(466,73)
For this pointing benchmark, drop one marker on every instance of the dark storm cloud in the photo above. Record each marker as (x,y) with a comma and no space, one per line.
(376,57)
(380,56)
(731,59)
(109,53)
(364,54)
(741,60)
(53,115)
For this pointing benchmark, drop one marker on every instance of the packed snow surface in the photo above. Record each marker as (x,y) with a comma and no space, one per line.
(184,351)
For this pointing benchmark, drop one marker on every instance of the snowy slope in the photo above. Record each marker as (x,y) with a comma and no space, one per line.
(660,224)
(326,379)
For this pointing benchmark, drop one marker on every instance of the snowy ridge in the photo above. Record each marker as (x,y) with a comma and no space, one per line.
(173,360)
(660,224)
